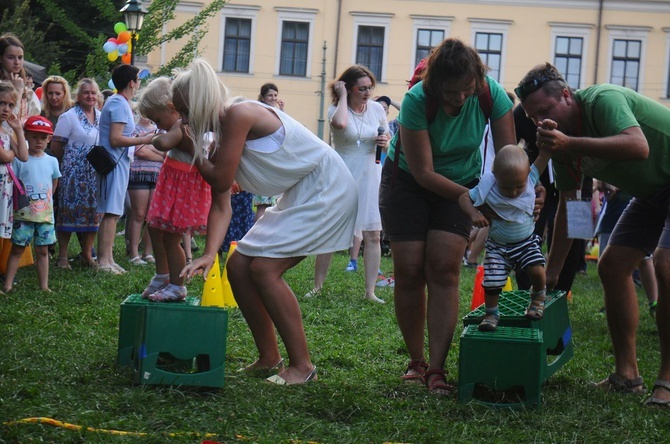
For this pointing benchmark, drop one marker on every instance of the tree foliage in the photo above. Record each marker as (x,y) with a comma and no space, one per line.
(66,35)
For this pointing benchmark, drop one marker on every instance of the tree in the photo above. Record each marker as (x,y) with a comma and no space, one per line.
(68,36)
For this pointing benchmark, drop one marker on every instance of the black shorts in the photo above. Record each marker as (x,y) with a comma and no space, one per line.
(409,210)
(645,223)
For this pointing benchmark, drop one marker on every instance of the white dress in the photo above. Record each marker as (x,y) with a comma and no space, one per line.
(6,190)
(360,159)
(317,209)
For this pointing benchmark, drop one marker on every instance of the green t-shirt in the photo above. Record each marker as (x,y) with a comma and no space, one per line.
(454,140)
(607,110)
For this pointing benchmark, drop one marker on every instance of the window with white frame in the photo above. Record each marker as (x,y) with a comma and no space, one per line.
(489,47)
(426,40)
(627,55)
(568,59)
(570,42)
(490,41)
(294,42)
(237,41)
(371,41)
(626,63)
(294,45)
(237,45)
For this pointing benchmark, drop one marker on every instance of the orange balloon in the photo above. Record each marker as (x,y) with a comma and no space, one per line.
(126,58)
(123,36)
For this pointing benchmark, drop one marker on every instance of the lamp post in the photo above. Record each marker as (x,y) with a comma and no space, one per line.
(133,15)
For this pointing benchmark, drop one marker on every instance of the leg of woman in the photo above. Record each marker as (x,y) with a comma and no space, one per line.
(187,247)
(139,200)
(648,278)
(662,264)
(410,294)
(63,243)
(255,313)
(106,234)
(321,265)
(282,307)
(356,248)
(443,266)
(148,244)
(87,238)
(372,257)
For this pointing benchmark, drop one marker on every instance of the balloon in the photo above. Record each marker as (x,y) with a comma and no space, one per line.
(120,27)
(144,74)
(113,40)
(130,45)
(126,58)
(38,93)
(122,48)
(110,84)
(112,56)
(109,46)
(123,36)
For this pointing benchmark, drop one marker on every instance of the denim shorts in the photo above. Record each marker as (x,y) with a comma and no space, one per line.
(23,233)
(409,210)
(645,223)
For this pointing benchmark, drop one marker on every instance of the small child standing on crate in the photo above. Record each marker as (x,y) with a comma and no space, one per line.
(181,202)
(509,191)
(35,220)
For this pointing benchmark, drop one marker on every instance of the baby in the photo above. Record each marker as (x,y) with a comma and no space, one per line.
(509,191)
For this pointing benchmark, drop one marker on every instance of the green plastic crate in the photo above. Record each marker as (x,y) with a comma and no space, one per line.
(554,325)
(506,359)
(128,318)
(169,336)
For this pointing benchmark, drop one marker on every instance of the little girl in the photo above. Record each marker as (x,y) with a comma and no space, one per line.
(182,198)
(12,144)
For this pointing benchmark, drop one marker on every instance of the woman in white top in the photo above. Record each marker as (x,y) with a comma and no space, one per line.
(358,127)
(269,153)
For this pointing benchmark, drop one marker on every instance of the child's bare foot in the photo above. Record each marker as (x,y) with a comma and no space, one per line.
(46,290)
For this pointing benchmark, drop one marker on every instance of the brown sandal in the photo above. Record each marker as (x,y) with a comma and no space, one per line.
(415,371)
(621,384)
(437,385)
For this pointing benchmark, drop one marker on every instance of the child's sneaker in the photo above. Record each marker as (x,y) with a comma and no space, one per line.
(170,293)
(353,265)
(157,283)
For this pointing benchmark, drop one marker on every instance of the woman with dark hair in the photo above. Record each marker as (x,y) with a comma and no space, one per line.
(421,182)
(11,69)
(116,128)
(358,125)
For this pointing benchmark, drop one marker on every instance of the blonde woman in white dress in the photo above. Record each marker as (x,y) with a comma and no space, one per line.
(267,152)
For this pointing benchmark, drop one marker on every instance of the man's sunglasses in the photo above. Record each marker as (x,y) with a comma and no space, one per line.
(529,87)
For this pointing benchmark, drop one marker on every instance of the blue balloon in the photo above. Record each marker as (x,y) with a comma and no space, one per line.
(122,48)
(144,74)
(110,46)
(111,85)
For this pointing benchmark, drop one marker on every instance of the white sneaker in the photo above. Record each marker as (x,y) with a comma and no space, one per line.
(388,282)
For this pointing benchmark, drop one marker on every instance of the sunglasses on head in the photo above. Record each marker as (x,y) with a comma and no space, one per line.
(529,87)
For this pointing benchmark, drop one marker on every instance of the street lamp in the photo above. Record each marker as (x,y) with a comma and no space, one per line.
(133,14)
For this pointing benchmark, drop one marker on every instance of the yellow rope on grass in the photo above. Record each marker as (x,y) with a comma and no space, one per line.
(66,425)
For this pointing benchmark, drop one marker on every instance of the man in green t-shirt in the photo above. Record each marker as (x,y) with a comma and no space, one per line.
(618,136)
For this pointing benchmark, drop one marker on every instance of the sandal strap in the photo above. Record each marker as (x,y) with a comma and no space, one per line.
(435,371)
(418,366)
(662,384)
(620,382)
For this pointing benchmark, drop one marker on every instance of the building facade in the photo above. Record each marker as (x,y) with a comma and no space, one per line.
(302,46)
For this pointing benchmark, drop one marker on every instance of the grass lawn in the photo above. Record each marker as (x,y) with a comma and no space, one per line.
(58,360)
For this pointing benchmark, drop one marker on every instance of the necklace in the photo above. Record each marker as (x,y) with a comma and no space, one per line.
(358,121)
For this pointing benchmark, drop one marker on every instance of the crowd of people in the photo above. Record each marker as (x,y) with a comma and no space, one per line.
(191,158)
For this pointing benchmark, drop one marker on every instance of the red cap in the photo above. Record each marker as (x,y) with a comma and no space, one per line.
(38,124)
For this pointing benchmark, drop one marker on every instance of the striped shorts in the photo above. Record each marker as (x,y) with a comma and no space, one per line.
(502,258)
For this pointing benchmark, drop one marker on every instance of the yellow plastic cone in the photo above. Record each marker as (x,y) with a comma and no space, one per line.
(228,297)
(212,292)
(508,285)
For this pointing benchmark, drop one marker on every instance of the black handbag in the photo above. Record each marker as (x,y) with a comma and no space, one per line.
(102,161)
